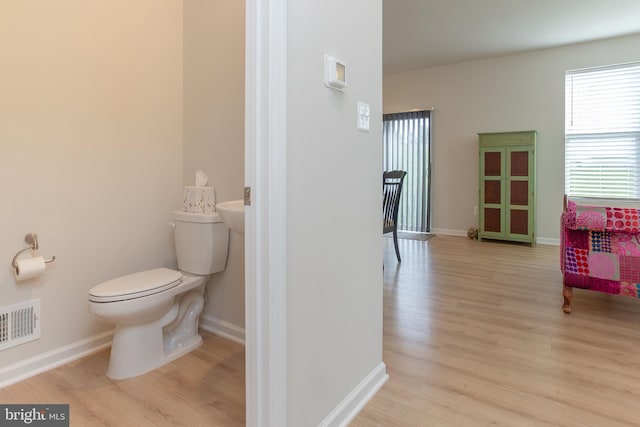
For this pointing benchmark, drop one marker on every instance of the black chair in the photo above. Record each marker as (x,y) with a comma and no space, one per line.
(391,189)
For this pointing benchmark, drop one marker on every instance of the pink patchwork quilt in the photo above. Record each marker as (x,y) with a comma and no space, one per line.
(601,249)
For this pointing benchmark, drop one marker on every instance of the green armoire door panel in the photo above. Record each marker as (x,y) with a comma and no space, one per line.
(507,186)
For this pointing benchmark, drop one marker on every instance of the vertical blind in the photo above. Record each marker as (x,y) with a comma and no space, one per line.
(406,147)
(602,132)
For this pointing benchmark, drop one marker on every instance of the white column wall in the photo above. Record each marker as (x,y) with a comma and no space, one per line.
(334,201)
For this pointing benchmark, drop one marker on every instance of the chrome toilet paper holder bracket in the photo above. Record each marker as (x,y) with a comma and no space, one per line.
(30,239)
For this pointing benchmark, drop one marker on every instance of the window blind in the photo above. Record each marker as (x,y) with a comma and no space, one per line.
(406,147)
(602,132)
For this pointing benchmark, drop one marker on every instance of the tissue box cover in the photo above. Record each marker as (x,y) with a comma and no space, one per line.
(199,199)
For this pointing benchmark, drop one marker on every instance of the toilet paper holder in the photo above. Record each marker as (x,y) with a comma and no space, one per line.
(32,240)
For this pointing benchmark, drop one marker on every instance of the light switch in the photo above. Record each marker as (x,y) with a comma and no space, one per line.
(364,116)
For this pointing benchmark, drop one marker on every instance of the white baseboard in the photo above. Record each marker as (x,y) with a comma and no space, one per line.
(448,232)
(463,233)
(35,365)
(349,408)
(548,241)
(222,328)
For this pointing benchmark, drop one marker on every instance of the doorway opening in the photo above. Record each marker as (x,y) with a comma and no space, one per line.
(407,147)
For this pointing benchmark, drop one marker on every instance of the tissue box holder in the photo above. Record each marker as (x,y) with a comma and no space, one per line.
(199,199)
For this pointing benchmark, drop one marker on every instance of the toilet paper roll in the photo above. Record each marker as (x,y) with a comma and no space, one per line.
(28,268)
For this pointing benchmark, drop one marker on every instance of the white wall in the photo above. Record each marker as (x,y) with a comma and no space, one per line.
(90,150)
(214,128)
(334,243)
(509,93)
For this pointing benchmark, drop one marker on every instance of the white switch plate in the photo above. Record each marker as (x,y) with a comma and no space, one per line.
(364,116)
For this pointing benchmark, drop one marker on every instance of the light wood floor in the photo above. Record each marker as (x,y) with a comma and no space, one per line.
(203,388)
(474,335)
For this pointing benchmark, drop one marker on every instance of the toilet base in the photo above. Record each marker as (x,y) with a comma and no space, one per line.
(138,349)
(121,368)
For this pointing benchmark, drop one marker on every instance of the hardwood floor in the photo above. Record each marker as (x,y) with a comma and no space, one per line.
(474,335)
(202,388)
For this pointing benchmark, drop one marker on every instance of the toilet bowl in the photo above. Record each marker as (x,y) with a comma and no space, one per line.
(156,312)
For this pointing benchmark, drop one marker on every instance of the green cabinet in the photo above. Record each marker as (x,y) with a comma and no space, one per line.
(507,208)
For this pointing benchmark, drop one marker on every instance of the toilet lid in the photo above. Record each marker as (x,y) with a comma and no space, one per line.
(135,285)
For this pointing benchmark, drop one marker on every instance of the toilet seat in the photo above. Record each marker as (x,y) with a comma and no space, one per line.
(135,285)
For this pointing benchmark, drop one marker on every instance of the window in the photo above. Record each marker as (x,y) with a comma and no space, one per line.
(602,132)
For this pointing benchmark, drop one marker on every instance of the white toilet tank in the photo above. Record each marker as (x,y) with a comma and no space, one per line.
(202,240)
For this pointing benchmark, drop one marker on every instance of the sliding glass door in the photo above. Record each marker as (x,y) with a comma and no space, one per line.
(406,147)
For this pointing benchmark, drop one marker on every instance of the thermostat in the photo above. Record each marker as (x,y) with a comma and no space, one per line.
(335,73)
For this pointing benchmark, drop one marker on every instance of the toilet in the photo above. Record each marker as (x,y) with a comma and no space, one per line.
(156,312)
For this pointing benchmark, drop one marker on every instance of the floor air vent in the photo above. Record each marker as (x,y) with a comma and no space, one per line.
(19,323)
